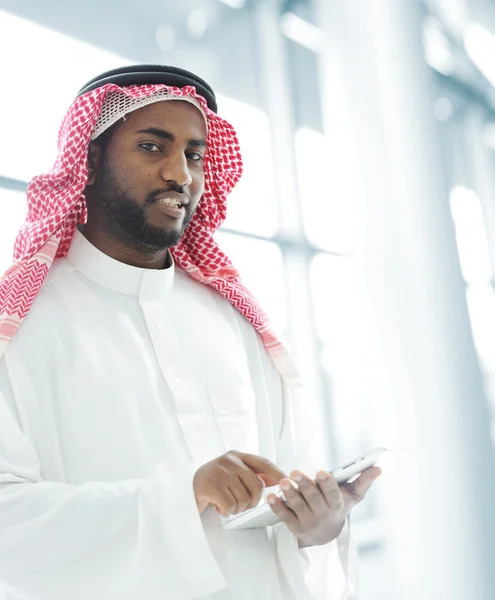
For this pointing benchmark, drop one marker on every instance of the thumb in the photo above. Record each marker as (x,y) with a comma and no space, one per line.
(359,488)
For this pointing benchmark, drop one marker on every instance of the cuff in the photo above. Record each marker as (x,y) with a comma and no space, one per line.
(333,566)
(348,561)
(294,562)
(172,530)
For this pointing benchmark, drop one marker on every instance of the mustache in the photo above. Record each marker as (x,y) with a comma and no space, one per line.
(173,187)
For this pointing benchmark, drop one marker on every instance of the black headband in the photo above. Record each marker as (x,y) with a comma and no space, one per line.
(152,74)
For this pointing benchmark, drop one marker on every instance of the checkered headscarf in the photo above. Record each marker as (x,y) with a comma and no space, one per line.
(56,206)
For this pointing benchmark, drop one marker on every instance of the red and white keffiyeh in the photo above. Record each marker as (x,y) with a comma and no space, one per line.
(56,206)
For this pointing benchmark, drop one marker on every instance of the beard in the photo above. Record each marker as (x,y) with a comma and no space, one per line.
(125,220)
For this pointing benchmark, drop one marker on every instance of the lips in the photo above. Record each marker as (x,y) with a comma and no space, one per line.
(173,199)
(173,204)
(171,211)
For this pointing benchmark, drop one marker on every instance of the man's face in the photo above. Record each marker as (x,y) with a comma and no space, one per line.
(147,182)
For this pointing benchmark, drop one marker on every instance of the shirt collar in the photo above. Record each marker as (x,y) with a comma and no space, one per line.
(109,273)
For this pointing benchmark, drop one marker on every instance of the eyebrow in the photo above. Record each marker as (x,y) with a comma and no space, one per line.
(165,135)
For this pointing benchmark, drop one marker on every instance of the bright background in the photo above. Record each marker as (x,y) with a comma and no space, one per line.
(365,225)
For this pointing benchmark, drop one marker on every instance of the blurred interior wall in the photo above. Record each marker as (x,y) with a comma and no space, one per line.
(421,368)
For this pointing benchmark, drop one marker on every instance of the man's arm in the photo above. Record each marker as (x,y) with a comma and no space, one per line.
(116,540)
(323,572)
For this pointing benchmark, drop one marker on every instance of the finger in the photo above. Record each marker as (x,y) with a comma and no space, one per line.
(296,500)
(265,480)
(262,466)
(241,494)
(203,504)
(312,494)
(359,488)
(280,508)
(254,485)
(225,503)
(330,489)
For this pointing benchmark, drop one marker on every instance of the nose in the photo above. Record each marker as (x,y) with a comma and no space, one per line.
(175,168)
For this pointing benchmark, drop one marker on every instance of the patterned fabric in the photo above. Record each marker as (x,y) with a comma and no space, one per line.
(56,206)
(117,104)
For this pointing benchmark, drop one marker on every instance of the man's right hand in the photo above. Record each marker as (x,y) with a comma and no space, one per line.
(234,482)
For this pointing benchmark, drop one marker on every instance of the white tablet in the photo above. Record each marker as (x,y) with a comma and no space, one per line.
(263,516)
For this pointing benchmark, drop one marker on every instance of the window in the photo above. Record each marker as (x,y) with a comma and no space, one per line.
(472,244)
(29,120)
(325,197)
(339,323)
(252,206)
(474,258)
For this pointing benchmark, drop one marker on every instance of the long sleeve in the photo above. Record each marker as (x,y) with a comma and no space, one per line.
(101,540)
(326,572)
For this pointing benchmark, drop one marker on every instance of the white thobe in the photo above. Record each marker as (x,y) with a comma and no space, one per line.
(120,383)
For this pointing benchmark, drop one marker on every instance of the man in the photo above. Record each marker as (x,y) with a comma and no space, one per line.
(142,394)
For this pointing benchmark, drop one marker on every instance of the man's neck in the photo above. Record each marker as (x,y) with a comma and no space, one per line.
(159,259)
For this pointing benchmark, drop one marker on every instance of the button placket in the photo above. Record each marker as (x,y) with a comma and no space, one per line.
(194,423)
(163,336)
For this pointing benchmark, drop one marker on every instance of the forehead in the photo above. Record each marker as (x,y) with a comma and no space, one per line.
(175,116)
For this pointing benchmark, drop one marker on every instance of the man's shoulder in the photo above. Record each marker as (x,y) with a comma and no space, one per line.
(48,299)
(250,337)
(46,312)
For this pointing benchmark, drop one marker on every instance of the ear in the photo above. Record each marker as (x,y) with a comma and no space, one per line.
(94,158)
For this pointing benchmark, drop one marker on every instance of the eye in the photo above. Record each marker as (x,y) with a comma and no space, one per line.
(194,156)
(150,147)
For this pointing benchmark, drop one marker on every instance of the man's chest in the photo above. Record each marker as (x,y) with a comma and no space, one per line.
(144,382)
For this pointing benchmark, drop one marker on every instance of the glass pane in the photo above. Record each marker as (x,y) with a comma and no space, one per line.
(472,244)
(252,205)
(340,326)
(326,200)
(481,305)
(260,264)
(12,215)
(335,298)
(30,117)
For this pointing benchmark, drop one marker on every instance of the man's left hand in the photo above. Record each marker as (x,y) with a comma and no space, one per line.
(316,512)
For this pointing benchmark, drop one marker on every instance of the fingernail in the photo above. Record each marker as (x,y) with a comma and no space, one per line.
(271,499)
(285,485)
(321,476)
(297,477)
